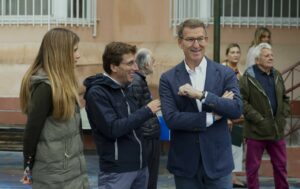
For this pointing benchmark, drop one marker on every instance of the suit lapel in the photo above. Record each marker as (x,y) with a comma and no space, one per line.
(212,81)
(211,76)
(181,74)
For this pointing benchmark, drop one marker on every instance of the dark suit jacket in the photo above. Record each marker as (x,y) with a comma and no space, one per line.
(191,140)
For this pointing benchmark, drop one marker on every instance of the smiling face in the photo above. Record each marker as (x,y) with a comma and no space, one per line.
(234,55)
(193,43)
(124,72)
(76,53)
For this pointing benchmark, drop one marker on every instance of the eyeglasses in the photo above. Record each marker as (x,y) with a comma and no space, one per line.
(131,63)
(191,40)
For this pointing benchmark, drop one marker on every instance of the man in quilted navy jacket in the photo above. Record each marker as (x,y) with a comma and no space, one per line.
(139,90)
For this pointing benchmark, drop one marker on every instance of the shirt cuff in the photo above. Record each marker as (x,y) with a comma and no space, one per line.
(209,119)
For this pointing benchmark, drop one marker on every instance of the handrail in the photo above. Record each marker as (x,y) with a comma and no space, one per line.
(292,88)
(293,119)
(290,68)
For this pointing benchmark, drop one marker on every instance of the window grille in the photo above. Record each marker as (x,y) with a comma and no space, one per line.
(274,13)
(49,12)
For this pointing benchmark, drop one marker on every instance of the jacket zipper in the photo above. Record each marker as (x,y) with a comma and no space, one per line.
(116,150)
(67,156)
(270,107)
(134,134)
(141,149)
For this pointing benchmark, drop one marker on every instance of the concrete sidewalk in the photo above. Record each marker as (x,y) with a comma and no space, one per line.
(11,171)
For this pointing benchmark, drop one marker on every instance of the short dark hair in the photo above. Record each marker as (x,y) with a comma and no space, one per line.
(113,54)
(190,23)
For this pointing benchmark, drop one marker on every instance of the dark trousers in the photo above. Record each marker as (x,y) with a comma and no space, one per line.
(202,181)
(153,154)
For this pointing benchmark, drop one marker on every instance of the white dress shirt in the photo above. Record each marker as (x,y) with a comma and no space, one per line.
(198,77)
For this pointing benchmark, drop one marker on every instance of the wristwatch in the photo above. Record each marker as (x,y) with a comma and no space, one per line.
(204,93)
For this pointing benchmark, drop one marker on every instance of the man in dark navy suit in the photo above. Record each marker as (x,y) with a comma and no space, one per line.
(197,97)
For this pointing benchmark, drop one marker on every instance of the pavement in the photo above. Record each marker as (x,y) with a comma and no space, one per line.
(11,169)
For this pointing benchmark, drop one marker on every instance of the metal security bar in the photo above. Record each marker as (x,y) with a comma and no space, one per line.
(274,13)
(182,9)
(80,13)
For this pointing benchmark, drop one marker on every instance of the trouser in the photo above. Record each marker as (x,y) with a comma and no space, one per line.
(153,154)
(128,180)
(237,153)
(202,181)
(277,153)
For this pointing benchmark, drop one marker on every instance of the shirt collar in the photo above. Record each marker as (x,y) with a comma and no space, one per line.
(105,74)
(262,72)
(200,68)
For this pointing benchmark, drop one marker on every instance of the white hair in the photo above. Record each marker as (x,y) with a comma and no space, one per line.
(258,48)
(143,59)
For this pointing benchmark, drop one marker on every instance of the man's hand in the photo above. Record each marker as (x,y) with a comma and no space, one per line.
(154,105)
(228,95)
(230,124)
(216,117)
(188,90)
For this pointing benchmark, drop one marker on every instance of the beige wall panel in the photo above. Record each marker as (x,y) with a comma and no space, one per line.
(141,22)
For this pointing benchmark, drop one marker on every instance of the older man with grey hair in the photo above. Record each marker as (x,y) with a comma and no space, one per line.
(139,90)
(265,109)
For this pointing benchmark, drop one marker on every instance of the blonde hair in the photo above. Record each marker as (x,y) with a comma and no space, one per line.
(259,32)
(56,59)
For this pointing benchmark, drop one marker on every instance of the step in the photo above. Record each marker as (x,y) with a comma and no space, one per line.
(11,137)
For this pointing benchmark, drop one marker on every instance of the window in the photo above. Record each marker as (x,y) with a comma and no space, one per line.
(24,7)
(261,8)
(71,8)
(80,12)
(238,12)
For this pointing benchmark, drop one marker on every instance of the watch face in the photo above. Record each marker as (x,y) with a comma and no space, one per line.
(203,95)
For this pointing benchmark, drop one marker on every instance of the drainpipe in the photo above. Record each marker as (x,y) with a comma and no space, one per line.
(217,13)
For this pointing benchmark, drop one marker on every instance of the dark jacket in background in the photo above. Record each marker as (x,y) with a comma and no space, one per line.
(116,131)
(139,91)
(260,123)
